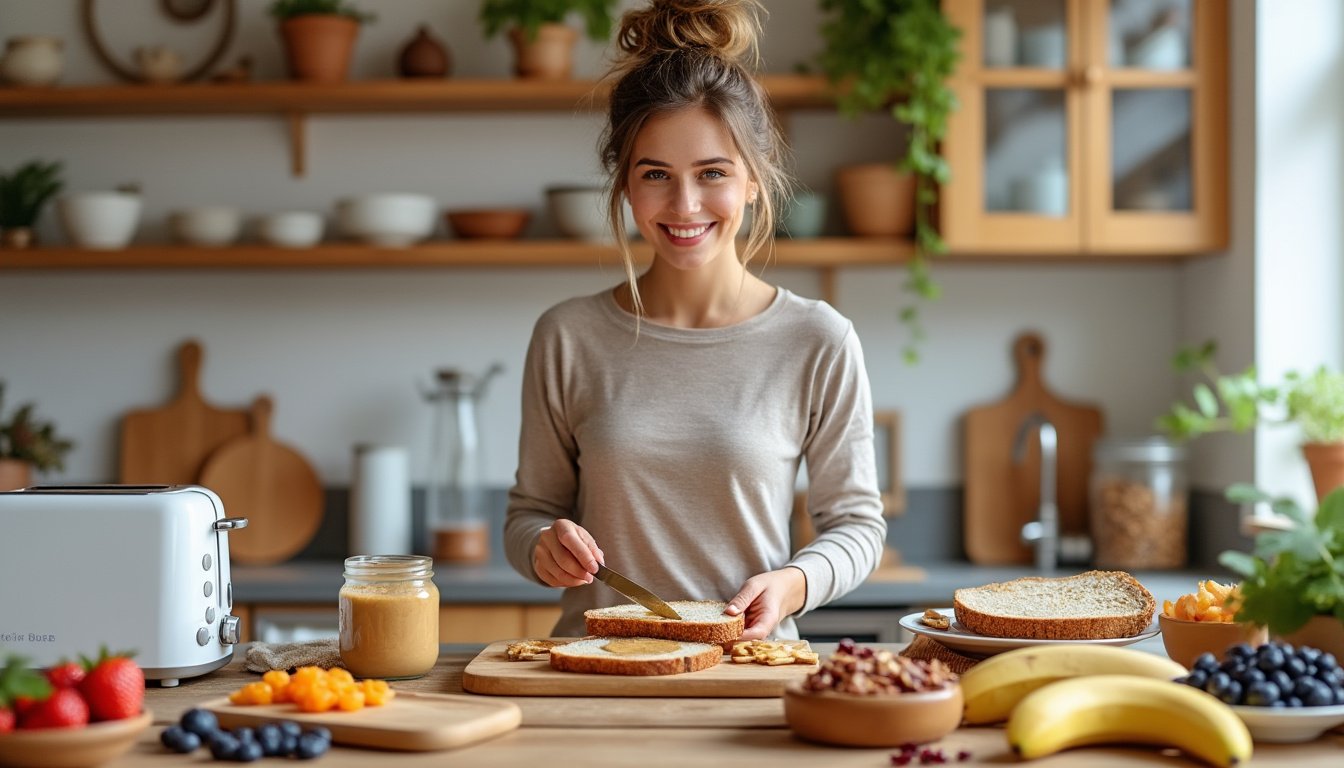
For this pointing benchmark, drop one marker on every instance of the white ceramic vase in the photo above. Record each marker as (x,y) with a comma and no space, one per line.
(32,61)
(101,220)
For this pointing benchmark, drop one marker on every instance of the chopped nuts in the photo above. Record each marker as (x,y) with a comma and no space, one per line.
(935,619)
(527,650)
(773,652)
(863,671)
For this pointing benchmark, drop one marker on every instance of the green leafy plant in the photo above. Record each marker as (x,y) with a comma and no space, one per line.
(289,9)
(898,55)
(1237,402)
(1291,575)
(24,438)
(19,680)
(24,192)
(529,15)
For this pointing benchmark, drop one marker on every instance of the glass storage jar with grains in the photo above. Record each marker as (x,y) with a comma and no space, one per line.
(1138,497)
(389,616)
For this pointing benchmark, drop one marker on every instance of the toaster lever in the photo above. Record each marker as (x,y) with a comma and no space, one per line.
(230,523)
(228,630)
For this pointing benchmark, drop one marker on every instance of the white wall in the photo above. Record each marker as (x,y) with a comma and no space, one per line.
(341,351)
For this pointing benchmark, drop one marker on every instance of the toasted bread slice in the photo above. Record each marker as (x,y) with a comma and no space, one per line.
(634,656)
(1094,605)
(703,621)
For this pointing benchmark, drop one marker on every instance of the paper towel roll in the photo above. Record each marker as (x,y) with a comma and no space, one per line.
(380,501)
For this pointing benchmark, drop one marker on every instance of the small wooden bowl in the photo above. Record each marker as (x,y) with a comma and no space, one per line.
(84,747)
(888,720)
(492,223)
(1185,640)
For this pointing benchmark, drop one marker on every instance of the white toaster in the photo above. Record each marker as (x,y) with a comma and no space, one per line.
(131,567)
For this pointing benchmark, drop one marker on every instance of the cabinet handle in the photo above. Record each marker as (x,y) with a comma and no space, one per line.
(1089,75)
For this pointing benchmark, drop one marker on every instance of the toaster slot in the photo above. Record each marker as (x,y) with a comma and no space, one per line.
(100,490)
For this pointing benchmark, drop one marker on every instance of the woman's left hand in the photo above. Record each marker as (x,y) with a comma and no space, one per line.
(767,598)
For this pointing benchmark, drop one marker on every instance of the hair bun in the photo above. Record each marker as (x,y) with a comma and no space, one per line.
(726,28)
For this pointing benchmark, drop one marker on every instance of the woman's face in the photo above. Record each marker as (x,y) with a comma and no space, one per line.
(688,187)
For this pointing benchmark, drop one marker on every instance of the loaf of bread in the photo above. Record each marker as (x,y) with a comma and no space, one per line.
(703,621)
(634,656)
(1089,606)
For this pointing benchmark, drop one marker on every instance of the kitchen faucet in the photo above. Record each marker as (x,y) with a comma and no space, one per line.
(1043,532)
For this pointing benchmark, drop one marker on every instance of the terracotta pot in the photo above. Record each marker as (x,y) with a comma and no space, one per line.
(549,57)
(1323,632)
(877,200)
(318,47)
(423,56)
(1326,461)
(16,237)
(15,474)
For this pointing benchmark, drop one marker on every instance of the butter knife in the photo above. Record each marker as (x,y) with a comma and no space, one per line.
(635,592)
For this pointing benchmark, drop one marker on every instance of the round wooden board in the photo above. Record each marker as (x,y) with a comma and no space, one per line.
(272,486)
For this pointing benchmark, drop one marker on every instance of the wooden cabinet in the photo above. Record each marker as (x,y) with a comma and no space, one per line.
(1088,128)
(460,623)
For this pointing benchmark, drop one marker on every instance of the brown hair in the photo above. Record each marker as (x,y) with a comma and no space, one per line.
(679,54)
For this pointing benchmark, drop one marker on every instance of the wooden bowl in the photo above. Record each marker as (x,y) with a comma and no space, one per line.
(90,745)
(493,223)
(888,720)
(1185,640)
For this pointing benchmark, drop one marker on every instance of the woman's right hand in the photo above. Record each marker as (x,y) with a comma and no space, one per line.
(566,555)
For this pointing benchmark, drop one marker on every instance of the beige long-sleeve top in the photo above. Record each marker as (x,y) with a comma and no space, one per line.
(678,450)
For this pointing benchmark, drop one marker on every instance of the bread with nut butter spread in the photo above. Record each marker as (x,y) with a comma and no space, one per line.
(1094,605)
(634,656)
(702,621)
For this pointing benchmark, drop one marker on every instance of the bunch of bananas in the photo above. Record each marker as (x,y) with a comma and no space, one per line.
(1062,696)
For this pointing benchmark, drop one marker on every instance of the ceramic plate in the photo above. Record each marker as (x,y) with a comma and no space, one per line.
(966,642)
(1287,726)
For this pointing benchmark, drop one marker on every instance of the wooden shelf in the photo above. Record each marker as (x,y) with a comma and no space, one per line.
(787,92)
(821,252)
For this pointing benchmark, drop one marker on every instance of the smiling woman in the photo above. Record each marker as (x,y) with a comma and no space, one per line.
(666,418)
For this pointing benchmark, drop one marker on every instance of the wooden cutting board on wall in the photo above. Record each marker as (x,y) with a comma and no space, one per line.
(1002,494)
(170,444)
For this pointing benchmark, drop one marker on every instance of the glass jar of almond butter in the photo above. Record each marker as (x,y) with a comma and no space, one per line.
(389,616)
(1139,515)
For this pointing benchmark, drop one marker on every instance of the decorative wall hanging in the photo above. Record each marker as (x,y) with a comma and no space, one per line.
(182,11)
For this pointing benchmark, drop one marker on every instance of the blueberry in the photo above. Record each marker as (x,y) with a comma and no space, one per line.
(1232,666)
(271,739)
(1308,654)
(224,746)
(1281,679)
(1231,694)
(321,733)
(289,744)
(291,728)
(1326,661)
(1302,687)
(180,740)
(1206,662)
(311,745)
(1278,704)
(1293,702)
(248,751)
(1251,677)
(1197,679)
(1262,694)
(1294,666)
(1269,658)
(1218,683)
(244,734)
(200,722)
(1319,695)
(1339,697)
(1240,651)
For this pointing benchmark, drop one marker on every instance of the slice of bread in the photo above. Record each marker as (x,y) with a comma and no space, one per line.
(703,621)
(623,656)
(1094,605)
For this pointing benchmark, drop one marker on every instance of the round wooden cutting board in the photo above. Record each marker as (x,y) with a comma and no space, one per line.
(271,485)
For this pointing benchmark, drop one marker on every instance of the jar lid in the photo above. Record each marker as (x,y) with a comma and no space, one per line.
(389,567)
(1153,448)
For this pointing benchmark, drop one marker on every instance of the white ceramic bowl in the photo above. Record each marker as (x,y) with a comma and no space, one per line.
(210,225)
(102,220)
(581,213)
(291,229)
(1286,726)
(392,220)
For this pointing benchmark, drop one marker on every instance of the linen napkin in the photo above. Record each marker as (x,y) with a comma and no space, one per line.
(263,657)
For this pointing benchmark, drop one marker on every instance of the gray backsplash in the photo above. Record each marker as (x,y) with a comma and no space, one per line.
(930,530)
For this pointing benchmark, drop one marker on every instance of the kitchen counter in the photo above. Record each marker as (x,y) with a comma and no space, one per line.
(598,732)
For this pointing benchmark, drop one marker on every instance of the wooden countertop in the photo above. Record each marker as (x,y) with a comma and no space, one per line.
(596,732)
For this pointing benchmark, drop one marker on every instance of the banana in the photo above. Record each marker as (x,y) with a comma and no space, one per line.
(994,686)
(1125,709)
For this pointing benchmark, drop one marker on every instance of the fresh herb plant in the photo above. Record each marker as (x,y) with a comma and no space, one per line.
(25,438)
(529,15)
(288,9)
(1236,402)
(898,55)
(24,192)
(1291,575)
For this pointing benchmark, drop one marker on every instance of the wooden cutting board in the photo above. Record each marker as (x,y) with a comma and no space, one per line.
(1002,495)
(170,444)
(271,485)
(492,673)
(411,722)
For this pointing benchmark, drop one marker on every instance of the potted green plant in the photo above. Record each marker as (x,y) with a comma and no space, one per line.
(1293,580)
(27,444)
(897,55)
(23,194)
(319,37)
(543,43)
(1237,402)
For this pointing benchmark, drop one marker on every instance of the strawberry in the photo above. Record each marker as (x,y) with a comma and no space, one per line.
(114,687)
(6,720)
(20,688)
(64,708)
(67,674)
